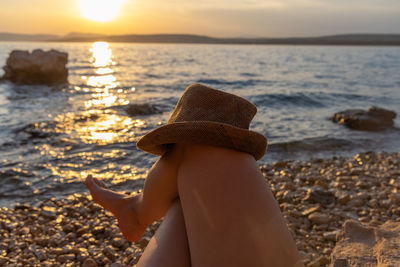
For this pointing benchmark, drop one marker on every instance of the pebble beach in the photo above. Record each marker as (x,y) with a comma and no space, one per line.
(316,197)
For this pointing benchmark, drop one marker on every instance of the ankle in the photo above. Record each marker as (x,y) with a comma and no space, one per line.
(137,207)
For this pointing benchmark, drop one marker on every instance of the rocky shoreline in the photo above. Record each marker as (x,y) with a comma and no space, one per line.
(316,198)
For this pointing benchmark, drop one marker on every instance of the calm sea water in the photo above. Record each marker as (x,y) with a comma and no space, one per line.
(51,138)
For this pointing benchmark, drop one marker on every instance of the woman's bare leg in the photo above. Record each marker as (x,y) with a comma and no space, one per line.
(135,213)
(230,215)
(169,246)
(232,218)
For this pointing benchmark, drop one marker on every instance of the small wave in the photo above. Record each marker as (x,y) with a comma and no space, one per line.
(32,91)
(316,99)
(284,100)
(352,97)
(10,174)
(153,76)
(326,77)
(249,74)
(190,60)
(238,84)
(40,130)
(79,67)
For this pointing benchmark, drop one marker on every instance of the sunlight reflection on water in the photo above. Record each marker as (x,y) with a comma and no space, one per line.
(102,55)
(97,124)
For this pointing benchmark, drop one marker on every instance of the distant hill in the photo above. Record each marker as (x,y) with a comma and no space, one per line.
(81,35)
(5,36)
(345,39)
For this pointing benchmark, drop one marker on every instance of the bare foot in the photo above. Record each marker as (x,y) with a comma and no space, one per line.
(122,206)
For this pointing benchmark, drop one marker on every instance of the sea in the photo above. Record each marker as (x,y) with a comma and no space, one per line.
(51,138)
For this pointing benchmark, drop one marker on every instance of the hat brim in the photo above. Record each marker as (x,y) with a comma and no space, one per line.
(203,132)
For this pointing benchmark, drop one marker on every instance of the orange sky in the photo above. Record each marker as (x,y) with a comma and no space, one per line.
(223,18)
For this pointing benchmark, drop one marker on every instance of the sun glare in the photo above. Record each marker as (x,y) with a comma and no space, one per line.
(100,10)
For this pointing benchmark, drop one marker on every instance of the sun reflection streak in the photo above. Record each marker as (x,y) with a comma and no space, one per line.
(103,83)
(106,80)
(102,55)
(99,124)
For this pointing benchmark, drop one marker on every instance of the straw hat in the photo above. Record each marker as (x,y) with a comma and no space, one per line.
(208,116)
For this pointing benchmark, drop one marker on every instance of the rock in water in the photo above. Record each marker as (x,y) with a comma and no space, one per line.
(361,245)
(373,119)
(36,68)
(141,109)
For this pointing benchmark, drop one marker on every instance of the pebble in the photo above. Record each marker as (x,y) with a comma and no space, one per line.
(118,242)
(3,260)
(331,236)
(40,255)
(65,257)
(318,218)
(142,243)
(89,262)
(311,210)
(314,264)
(44,241)
(324,260)
(49,212)
(109,253)
(56,251)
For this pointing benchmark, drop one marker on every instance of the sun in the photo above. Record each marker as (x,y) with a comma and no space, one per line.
(100,10)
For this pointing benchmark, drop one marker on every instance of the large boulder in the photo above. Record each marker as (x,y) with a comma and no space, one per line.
(373,119)
(36,68)
(363,245)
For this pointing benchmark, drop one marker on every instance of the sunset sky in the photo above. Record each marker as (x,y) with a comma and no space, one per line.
(222,18)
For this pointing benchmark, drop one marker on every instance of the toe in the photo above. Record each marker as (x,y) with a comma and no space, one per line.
(90,183)
(99,183)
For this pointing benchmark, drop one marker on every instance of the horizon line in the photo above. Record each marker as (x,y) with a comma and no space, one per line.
(195,34)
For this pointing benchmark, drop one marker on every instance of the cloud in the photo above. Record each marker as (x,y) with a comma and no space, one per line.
(225,18)
(297,21)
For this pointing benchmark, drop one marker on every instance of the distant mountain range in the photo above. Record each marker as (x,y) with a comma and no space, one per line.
(344,39)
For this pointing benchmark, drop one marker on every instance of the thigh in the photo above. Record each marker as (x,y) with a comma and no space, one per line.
(231,216)
(169,246)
